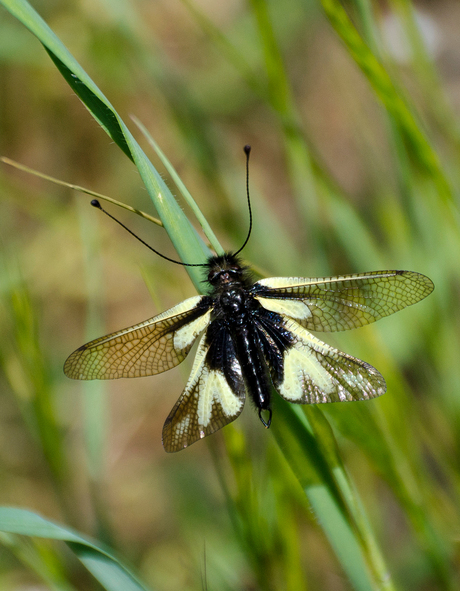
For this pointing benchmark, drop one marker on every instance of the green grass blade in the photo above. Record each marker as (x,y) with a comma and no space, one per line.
(228,49)
(99,196)
(391,97)
(28,372)
(37,555)
(184,237)
(182,188)
(310,449)
(104,566)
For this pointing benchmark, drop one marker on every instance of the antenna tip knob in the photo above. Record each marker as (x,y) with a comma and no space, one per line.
(95,203)
(247,149)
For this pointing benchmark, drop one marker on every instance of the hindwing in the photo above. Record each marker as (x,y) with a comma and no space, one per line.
(213,397)
(146,349)
(313,372)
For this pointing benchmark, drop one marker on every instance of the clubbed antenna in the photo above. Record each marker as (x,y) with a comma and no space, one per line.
(96,203)
(247,151)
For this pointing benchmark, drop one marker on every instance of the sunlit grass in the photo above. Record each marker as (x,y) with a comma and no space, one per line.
(378,501)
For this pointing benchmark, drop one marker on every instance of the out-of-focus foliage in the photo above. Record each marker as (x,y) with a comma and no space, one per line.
(352,114)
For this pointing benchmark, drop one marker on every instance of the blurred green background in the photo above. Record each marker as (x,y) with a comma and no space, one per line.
(352,112)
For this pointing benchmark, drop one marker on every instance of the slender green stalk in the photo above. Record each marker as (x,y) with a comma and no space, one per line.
(46,177)
(183,189)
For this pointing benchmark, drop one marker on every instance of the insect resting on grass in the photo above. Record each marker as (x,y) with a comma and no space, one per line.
(254,337)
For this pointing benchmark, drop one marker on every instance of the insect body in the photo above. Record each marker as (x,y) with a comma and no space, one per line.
(253,337)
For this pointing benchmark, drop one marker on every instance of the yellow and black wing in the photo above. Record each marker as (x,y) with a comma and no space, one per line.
(312,372)
(213,397)
(341,303)
(148,348)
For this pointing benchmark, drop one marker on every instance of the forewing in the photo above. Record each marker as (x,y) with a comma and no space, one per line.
(213,397)
(148,348)
(314,372)
(340,303)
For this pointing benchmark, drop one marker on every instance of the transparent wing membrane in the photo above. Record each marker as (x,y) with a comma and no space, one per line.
(148,348)
(341,303)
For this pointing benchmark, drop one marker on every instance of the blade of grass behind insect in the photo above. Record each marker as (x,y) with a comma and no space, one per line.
(427,75)
(228,49)
(421,62)
(313,456)
(369,27)
(99,196)
(409,161)
(298,158)
(95,407)
(391,97)
(401,467)
(288,496)
(184,237)
(104,566)
(263,510)
(182,188)
(29,374)
(278,96)
(189,116)
(244,507)
(354,236)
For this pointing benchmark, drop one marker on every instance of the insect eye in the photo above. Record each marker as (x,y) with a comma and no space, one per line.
(213,277)
(234,272)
